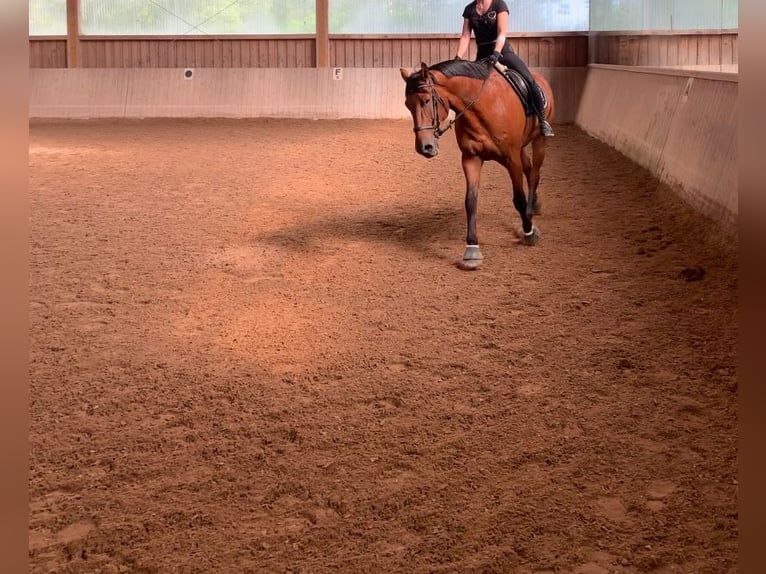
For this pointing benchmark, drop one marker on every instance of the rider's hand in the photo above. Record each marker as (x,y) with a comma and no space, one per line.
(494,58)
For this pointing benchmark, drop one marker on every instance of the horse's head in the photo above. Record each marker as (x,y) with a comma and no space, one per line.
(428,109)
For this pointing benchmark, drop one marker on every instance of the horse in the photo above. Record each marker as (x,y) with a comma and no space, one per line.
(491,124)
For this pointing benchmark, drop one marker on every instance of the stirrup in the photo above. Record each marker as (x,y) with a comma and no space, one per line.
(545,128)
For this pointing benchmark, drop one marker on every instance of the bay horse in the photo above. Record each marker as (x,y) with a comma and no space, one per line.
(491,124)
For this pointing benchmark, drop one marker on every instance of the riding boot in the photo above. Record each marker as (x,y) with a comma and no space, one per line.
(545,126)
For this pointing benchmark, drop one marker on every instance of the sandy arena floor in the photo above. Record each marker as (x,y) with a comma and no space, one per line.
(251,352)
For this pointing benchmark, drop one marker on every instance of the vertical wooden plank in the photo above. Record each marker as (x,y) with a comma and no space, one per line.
(236,53)
(109,55)
(735,49)
(576,52)
(252,48)
(266,53)
(358,55)
(124,54)
(643,51)
(703,50)
(652,51)
(73,31)
(446,50)
(171,52)
(726,50)
(582,52)
(377,53)
(281,54)
(34,54)
(146,53)
(189,55)
(155,53)
(662,51)
(368,54)
(86,55)
(544,53)
(199,53)
(162,54)
(323,33)
(332,54)
(289,53)
(387,54)
(305,49)
(224,55)
(684,51)
(714,50)
(340,54)
(537,51)
(521,47)
(244,54)
(560,51)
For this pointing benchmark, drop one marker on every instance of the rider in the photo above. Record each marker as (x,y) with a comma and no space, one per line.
(488,19)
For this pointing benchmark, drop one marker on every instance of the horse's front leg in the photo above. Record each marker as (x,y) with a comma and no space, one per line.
(472,169)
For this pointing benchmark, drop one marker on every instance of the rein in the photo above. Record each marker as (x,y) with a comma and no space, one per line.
(436,99)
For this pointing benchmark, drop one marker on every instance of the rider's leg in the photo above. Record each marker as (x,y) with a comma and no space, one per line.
(511,60)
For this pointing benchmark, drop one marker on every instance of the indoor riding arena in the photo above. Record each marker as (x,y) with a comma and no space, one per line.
(252,346)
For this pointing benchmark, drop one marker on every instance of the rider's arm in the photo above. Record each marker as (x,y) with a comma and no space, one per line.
(502,26)
(465,39)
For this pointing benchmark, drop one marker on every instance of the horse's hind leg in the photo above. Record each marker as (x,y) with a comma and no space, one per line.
(517,169)
(527,161)
(533,173)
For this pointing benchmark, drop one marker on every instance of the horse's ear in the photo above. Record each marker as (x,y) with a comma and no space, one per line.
(423,69)
(405,73)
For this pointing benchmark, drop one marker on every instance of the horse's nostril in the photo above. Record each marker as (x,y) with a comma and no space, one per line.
(428,148)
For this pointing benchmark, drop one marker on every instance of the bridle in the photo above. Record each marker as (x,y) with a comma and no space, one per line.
(437,99)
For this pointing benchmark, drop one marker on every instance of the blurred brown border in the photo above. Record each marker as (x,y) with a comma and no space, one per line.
(14,211)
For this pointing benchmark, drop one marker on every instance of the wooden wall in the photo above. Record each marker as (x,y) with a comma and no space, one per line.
(554,50)
(47,53)
(559,50)
(657,49)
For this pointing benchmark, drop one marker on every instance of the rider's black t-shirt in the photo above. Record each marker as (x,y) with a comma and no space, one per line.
(485,26)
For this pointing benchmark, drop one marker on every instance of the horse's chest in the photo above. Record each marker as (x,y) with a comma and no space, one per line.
(477,144)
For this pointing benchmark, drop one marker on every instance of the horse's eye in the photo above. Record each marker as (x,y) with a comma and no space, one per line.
(426,101)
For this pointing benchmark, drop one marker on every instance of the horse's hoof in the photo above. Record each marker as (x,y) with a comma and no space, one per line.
(469,264)
(472,258)
(533,237)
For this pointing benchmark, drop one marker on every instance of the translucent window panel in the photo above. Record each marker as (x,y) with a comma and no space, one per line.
(47,18)
(445,16)
(616,14)
(197,17)
(663,14)
(730,15)
(697,14)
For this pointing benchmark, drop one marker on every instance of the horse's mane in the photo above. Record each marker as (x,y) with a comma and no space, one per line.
(451,68)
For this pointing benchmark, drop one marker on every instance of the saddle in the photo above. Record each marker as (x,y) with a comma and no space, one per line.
(522,89)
